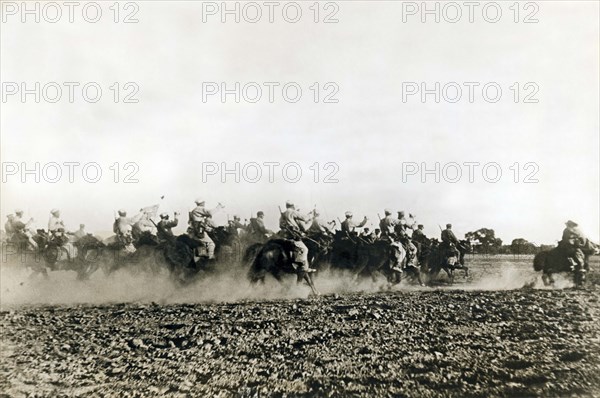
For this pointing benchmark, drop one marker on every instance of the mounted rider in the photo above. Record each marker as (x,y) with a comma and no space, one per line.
(55,222)
(164,226)
(388,225)
(319,228)
(235,226)
(348,225)
(201,223)
(80,233)
(8,227)
(57,232)
(123,227)
(573,240)
(450,243)
(256,229)
(16,228)
(291,223)
(404,225)
(145,226)
(419,236)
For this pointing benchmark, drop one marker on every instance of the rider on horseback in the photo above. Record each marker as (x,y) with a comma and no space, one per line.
(318,227)
(18,231)
(291,223)
(348,225)
(418,235)
(123,226)
(388,224)
(201,224)
(235,226)
(450,243)
(572,242)
(257,230)
(164,226)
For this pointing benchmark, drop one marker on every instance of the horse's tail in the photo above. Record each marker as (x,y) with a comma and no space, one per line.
(539,261)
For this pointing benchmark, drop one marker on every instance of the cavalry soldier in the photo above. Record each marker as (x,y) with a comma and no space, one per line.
(377,233)
(123,226)
(142,226)
(80,233)
(388,223)
(572,241)
(16,227)
(234,226)
(8,227)
(59,238)
(55,221)
(318,227)
(200,212)
(448,236)
(367,235)
(201,223)
(418,235)
(291,223)
(164,226)
(257,230)
(403,224)
(348,225)
(450,242)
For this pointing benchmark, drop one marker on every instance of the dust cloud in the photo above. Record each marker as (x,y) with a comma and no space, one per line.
(20,286)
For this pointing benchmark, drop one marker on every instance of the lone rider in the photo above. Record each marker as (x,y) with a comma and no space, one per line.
(573,240)
(291,223)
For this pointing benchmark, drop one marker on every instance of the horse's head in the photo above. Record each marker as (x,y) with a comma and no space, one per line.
(465,245)
(220,235)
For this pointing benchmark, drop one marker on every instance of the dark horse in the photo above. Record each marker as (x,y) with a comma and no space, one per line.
(368,258)
(556,260)
(440,258)
(275,258)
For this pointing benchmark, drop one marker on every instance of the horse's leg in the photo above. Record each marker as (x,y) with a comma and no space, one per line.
(448,270)
(547,279)
(360,267)
(308,278)
(414,273)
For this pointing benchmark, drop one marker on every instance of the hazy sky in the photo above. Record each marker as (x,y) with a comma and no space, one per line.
(369,133)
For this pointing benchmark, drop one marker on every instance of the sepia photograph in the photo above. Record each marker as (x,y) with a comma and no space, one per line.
(310,198)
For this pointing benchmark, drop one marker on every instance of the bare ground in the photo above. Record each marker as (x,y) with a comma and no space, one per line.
(417,343)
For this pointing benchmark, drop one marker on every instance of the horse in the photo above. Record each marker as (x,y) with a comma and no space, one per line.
(556,260)
(276,258)
(440,258)
(319,249)
(369,258)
